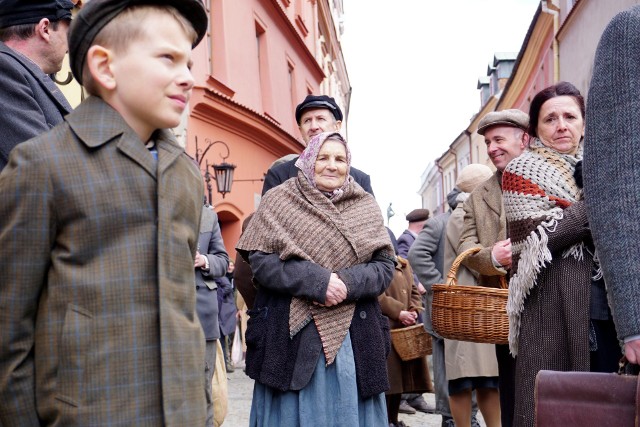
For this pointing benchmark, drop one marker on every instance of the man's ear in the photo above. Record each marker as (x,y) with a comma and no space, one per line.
(99,64)
(338,125)
(43,29)
(526,138)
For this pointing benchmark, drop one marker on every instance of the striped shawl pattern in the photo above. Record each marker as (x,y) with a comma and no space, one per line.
(295,220)
(537,187)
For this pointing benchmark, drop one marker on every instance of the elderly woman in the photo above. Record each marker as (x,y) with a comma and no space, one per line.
(558,318)
(316,339)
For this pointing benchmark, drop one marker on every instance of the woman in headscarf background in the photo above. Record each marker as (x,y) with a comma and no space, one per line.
(558,315)
(469,366)
(316,339)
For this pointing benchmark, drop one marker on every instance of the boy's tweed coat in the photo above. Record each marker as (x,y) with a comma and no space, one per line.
(97,298)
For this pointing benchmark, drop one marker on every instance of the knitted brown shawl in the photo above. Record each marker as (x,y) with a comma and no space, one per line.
(536,188)
(295,220)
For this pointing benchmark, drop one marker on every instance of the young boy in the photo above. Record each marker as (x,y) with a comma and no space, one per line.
(98,234)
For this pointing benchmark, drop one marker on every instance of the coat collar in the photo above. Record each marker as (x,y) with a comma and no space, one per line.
(493,193)
(45,81)
(96,123)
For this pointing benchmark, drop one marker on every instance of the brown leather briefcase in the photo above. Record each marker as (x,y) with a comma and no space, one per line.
(586,399)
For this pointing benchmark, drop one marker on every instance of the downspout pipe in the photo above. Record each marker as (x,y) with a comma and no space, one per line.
(550,7)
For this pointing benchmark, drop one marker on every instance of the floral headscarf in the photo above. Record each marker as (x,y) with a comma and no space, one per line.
(307,160)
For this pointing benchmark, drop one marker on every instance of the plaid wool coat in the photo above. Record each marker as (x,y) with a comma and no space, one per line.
(97,300)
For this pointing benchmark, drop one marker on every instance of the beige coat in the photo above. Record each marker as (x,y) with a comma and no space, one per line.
(484,225)
(464,359)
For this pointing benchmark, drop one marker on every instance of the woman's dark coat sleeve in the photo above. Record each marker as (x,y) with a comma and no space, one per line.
(368,280)
(297,277)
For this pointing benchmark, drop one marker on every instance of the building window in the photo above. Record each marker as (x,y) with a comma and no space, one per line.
(263,66)
(292,84)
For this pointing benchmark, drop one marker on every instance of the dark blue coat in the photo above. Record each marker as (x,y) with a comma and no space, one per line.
(405,241)
(210,244)
(31,101)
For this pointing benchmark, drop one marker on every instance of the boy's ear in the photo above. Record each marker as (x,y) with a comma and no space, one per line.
(99,64)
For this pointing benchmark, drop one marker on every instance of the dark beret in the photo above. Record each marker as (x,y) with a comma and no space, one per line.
(95,14)
(418,215)
(322,101)
(18,12)
(512,117)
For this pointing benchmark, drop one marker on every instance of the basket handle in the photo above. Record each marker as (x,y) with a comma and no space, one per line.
(452,276)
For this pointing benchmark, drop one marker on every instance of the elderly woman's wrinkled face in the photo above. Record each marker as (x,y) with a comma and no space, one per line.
(561,125)
(331,166)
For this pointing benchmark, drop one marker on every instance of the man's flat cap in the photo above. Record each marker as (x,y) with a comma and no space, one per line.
(514,118)
(418,215)
(18,12)
(322,101)
(95,14)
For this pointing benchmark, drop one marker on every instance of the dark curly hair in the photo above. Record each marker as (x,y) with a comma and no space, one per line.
(558,89)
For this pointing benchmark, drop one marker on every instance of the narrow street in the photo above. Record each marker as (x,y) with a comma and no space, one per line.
(240,388)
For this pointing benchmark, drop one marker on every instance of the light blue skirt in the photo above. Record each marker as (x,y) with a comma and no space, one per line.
(330,399)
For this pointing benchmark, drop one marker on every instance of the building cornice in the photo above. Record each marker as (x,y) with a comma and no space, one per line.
(216,108)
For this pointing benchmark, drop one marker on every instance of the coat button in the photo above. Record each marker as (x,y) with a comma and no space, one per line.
(363,314)
(197,287)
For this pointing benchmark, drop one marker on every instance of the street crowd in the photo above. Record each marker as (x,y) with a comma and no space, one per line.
(118,298)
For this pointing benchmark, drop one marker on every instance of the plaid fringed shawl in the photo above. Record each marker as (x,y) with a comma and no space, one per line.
(295,220)
(536,188)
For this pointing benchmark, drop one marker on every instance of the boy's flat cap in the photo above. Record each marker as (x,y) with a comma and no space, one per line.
(18,12)
(513,117)
(418,215)
(322,101)
(95,14)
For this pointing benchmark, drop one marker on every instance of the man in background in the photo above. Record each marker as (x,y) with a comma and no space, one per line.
(33,43)
(412,402)
(210,262)
(314,115)
(416,219)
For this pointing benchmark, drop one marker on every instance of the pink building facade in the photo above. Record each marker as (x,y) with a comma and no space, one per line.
(259,59)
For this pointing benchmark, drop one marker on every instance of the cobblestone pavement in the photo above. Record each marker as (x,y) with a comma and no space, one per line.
(240,389)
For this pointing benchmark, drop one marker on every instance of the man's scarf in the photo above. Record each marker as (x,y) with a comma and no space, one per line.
(536,188)
(295,220)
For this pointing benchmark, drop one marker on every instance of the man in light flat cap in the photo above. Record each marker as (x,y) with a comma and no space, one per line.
(314,115)
(506,137)
(33,43)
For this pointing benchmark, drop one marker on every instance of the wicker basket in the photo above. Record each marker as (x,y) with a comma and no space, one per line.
(470,313)
(411,342)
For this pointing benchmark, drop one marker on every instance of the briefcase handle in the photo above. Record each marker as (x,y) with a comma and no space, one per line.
(625,367)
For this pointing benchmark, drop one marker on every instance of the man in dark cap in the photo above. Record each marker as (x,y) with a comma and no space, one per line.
(316,114)
(412,402)
(505,134)
(33,43)
(416,219)
(97,291)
